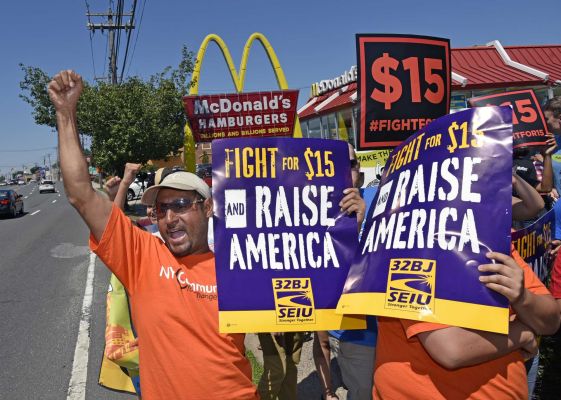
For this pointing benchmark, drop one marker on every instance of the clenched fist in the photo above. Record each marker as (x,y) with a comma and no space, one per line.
(64,90)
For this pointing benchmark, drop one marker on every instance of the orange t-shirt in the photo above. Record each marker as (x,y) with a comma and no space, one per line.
(404,370)
(175,312)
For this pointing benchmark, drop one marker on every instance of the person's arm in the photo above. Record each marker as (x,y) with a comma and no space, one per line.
(64,91)
(454,347)
(546,185)
(111,187)
(538,312)
(128,178)
(352,202)
(529,202)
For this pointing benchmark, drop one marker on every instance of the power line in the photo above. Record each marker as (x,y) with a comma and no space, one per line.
(91,37)
(137,35)
(27,150)
(129,34)
(114,24)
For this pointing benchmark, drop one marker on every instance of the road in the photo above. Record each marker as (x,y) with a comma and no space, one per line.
(44,262)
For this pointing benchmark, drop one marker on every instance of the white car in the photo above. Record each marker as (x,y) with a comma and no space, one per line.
(47,186)
(135,190)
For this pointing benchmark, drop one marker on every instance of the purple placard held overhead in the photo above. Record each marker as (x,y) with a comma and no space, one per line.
(283,247)
(444,201)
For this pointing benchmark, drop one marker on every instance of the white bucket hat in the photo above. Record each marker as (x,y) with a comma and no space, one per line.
(179,180)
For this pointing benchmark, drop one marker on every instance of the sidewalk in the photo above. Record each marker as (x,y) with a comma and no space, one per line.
(308,380)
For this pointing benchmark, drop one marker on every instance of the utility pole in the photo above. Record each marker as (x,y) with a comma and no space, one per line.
(51,167)
(112,25)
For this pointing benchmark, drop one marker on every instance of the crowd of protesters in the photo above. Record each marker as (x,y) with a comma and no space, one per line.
(183,356)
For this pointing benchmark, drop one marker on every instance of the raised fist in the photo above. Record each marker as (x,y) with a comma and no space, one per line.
(64,90)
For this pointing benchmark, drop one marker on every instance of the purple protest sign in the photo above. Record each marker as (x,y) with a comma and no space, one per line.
(283,247)
(444,201)
(533,241)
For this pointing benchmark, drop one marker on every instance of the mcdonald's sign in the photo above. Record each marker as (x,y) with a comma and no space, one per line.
(241,114)
(238,78)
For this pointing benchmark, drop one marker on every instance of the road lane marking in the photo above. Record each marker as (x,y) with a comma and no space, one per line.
(54,201)
(35,212)
(79,377)
(26,197)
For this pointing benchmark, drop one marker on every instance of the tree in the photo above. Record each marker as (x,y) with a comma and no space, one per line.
(34,169)
(137,120)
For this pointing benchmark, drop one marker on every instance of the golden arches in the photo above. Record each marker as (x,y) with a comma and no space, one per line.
(238,78)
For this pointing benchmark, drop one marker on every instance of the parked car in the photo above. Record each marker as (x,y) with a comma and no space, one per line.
(3,183)
(11,203)
(47,186)
(21,182)
(136,189)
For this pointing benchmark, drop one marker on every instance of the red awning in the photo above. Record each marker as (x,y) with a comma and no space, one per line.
(484,68)
(543,58)
(330,101)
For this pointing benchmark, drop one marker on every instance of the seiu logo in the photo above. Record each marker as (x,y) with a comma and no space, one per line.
(411,285)
(295,312)
(294,300)
(411,265)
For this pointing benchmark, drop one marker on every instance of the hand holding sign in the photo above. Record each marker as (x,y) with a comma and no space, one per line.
(507,278)
(551,145)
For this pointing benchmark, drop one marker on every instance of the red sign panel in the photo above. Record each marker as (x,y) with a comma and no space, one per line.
(528,123)
(403,84)
(221,116)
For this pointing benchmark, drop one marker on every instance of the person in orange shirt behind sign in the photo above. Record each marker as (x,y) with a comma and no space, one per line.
(420,360)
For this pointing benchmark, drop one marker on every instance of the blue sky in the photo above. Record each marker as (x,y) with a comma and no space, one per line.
(313,39)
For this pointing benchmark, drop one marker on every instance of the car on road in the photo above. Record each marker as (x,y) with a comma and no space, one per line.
(11,203)
(47,186)
(3,183)
(21,182)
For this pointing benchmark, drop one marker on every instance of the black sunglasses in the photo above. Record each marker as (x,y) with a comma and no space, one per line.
(355,164)
(179,206)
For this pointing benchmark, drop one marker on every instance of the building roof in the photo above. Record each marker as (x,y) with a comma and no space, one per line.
(478,67)
(484,68)
(331,101)
(546,58)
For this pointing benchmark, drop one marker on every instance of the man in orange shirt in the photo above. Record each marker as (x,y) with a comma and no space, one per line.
(171,285)
(432,361)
